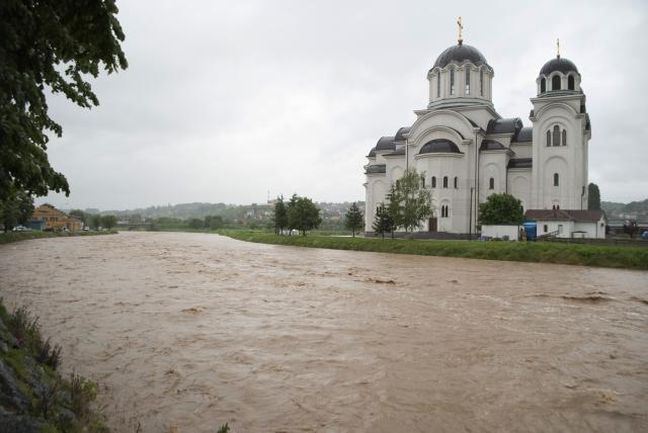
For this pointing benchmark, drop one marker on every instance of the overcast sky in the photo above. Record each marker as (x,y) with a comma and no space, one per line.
(225,101)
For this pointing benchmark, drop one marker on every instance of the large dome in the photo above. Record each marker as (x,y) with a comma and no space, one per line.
(459,53)
(558,64)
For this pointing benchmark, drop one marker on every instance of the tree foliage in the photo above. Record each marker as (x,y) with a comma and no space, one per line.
(108,221)
(353,219)
(593,197)
(409,202)
(48,46)
(16,208)
(501,209)
(78,213)
(280,215)
(214,222)
(383,221)
(303,214)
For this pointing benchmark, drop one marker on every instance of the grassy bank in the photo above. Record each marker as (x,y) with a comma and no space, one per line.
(540,252)
(33,395)
(6,238)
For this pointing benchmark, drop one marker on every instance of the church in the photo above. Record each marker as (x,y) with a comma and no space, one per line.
(466,151)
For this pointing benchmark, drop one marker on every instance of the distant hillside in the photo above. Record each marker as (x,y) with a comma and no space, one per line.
(634,210)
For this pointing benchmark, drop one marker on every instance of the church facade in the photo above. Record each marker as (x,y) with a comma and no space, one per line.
(466,151)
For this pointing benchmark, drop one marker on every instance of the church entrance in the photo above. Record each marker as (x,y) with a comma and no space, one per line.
(432,224)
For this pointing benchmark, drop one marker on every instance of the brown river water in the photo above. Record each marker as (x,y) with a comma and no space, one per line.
(185,332)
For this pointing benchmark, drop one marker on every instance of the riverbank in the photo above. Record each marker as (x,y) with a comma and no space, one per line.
(34,397)
(9,237)
(606,256)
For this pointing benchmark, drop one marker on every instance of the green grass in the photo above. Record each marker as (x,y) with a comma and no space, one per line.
(9,237)
(540,252)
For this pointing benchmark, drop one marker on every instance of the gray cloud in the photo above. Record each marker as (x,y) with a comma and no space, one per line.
(224,101)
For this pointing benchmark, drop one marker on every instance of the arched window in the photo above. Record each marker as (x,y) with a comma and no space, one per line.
(555,82)
(556,179)
(467,80)
(564,137)
(570,82)
(491,183)
(439,85)
(445,211)
(456,181)
(543,85)
(556,136)
(452,82)
(548,138)
(445,181)
(481,82)
(433,181)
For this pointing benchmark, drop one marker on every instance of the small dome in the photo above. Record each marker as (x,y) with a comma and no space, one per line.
(558,64)
(439,145)
(460,53)
(386,143)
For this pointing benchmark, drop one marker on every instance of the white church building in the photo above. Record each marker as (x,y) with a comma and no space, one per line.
(466,151)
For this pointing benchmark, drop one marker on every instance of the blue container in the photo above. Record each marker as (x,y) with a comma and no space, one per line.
(531,229)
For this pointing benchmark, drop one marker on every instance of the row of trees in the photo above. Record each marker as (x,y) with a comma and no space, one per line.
(95,221)
(300,213)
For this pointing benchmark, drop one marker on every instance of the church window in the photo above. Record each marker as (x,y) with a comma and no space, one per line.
(556,135)
(491,183)
(481,82)
(564,137)
(570,82)
(422,181)
(456,182)
(545,228)
(543,85)
(556,179)
(445,181)
(555,82)
(445,211)
(467,80)
(548,138)
(433,181)
(452,81)
(439,85)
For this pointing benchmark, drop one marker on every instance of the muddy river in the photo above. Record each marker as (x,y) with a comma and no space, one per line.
(185,332)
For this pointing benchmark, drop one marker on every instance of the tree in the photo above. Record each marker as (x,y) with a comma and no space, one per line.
(501,209)
(353,219)
(394,208)
(95,221)
(593,197)
(383,221)
(280,215)
(108,221)
(16,208)
(48,46)
(631,228)
(303,215)
(412,200)
(213,222)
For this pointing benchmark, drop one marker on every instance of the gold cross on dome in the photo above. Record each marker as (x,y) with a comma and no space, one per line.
(558,47)
(460,25)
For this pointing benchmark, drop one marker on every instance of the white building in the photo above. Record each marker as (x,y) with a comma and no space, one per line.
(467,151)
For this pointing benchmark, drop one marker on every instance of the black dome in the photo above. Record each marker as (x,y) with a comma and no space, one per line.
(558,64)
(440,145)
(459,53)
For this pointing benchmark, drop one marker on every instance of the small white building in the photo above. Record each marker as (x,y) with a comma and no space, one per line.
(466,151)
(568,223)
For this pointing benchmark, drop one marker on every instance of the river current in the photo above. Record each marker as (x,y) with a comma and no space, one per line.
(184,332)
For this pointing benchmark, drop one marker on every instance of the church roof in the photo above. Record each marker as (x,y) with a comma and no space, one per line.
(460,53)
(491,145)
(591,216)
(558,64)
(401,132)
(520,163)
(439,145)
(386,143)
(523,135)
(376,168)
(372,153)
(504,126)
(398,152)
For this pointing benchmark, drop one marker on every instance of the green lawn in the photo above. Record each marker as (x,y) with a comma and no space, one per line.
(541,252)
